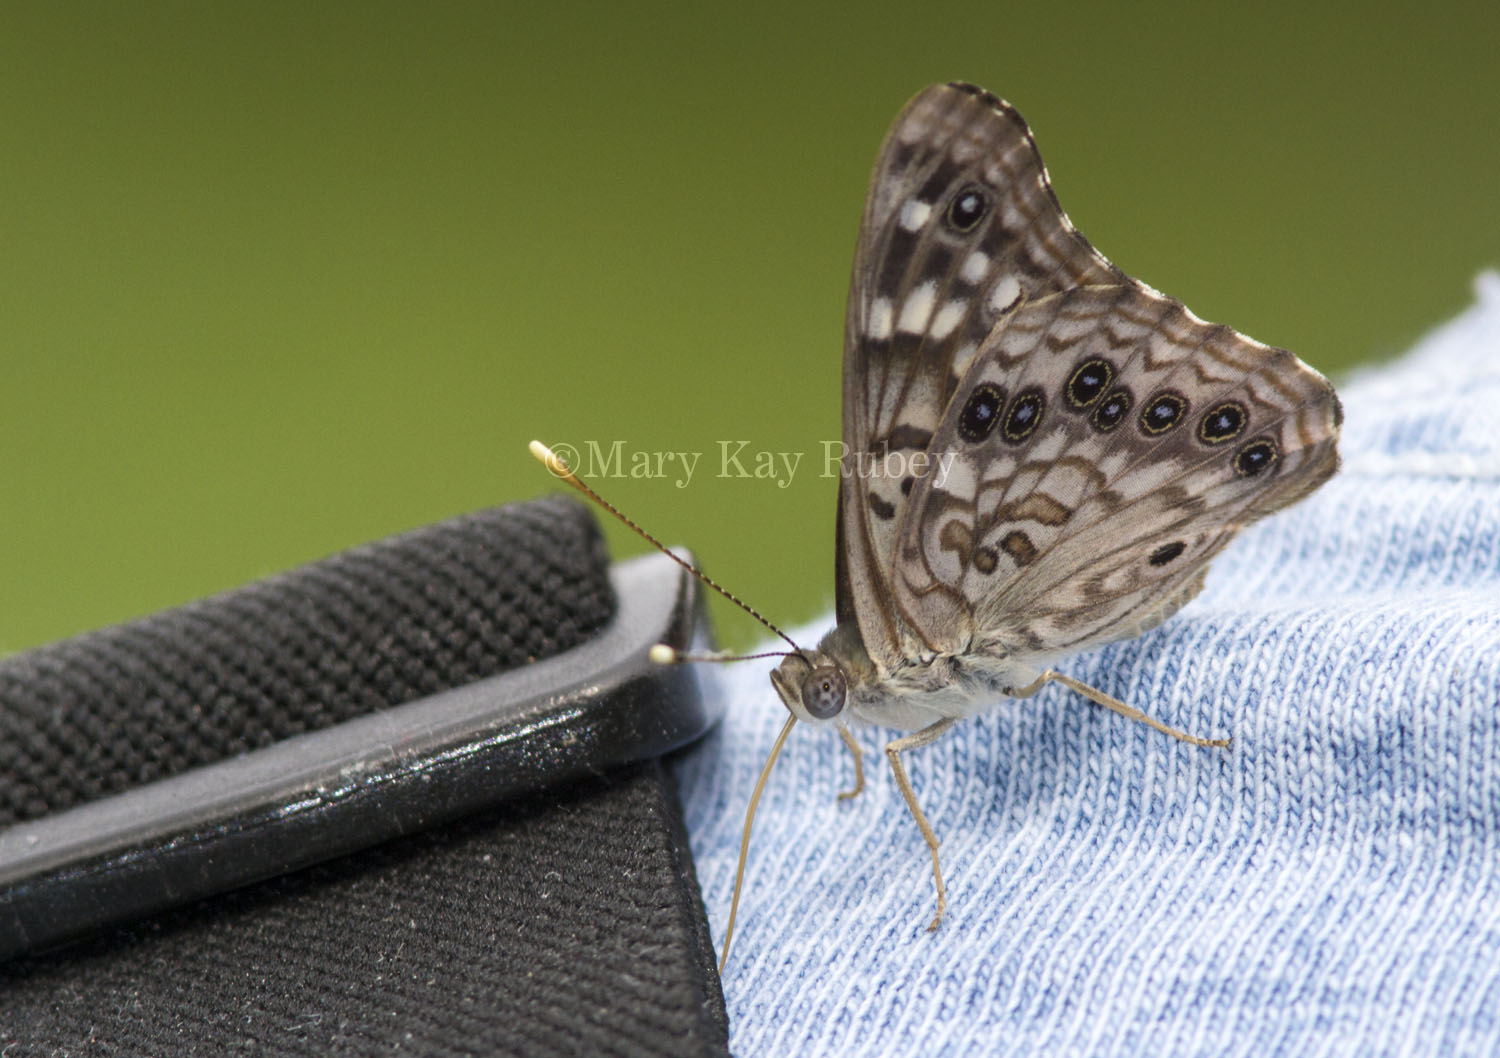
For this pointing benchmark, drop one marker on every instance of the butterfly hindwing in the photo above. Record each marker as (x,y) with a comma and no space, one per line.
(1102,447)
(960,227)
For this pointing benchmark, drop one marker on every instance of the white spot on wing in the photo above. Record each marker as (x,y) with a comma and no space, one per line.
(1010,214)
(967,146)
(976,266)
(962,479)
(914,214)
(880,319)
(1073,330)
(948,317)
(918,308)
(963,358)
(1005,293)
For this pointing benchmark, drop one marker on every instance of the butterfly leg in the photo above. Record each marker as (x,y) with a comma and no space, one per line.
(893,750)
(1099,697)
(859,764)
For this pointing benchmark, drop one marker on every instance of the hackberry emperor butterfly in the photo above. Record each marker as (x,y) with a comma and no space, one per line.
(1042,454)
(1089,444)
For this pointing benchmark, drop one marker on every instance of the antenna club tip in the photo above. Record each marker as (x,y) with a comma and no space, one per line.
(551,460)
(663,654)
(543,453)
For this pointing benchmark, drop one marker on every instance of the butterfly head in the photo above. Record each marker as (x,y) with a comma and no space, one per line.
(813,686)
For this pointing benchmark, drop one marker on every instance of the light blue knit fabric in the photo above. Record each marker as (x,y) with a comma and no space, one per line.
(1329,885)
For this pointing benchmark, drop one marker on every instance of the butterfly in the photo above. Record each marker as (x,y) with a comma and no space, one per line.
(1041,454)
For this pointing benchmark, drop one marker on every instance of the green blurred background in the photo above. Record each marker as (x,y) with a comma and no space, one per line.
(282,278)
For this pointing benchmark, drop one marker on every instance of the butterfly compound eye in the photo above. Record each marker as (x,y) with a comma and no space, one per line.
(823,692)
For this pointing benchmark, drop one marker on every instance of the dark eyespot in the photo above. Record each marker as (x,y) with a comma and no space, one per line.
(1166,553)
(1089,380)
(967,209)
(1222,423)
(1256,457)
(882,508)
(1019,547)
(1111,410)
(1024,415)
(823,692)
(1162,412)
(980,413)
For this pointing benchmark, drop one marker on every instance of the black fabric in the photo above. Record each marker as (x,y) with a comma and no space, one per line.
(365,629)
(568,923)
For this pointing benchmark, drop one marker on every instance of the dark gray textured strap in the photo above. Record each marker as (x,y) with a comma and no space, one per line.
(372,627)
(565,923)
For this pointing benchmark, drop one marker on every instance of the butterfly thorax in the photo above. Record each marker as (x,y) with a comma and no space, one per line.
(840,679)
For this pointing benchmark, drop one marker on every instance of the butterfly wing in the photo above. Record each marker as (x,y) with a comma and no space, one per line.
(1103,446)
(960,226)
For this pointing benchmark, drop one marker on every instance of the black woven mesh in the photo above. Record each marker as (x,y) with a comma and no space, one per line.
(369,628)
(567,924)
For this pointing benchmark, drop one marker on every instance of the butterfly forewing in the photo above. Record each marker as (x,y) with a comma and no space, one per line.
(1128,442)
(960,227)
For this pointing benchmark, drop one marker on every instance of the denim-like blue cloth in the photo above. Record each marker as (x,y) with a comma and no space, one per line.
(1328,885)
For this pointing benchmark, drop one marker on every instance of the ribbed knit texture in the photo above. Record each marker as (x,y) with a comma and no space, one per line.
(1329,885)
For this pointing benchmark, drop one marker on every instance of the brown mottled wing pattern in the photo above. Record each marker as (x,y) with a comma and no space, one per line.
(960,227)
(1104,444)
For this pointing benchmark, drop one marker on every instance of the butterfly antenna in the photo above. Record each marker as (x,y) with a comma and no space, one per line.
(665,655)
(739,871)
(559,469)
